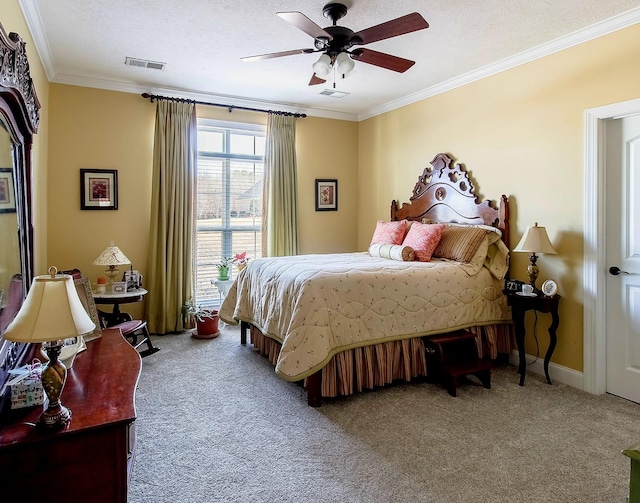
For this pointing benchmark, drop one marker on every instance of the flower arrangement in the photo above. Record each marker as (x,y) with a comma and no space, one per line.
(241,260)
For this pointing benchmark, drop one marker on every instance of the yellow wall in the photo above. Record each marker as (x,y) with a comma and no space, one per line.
(113,130)
(13,21)
(520,133)
(100,130)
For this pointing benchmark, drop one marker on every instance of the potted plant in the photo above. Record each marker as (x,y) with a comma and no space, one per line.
(206,320)
(223,268)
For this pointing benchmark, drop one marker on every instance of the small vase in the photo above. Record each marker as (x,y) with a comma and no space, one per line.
(223,273)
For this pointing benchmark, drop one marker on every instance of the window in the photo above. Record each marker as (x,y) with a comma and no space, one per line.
(228,201)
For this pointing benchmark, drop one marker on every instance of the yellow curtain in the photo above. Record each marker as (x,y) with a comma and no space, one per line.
(170,281)
(280,208)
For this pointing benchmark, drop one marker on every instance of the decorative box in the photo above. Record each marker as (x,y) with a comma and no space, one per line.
(119,287)
(26,386)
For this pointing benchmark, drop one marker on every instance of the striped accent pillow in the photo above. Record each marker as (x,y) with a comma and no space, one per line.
(460,242)
(393,252)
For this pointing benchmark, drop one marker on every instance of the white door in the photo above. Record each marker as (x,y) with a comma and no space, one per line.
(622,179)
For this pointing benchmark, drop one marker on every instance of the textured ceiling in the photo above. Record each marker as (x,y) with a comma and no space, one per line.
(85,42)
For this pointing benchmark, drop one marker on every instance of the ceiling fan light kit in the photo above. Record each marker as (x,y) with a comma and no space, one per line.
(336,42)
(322,67)
(344,64)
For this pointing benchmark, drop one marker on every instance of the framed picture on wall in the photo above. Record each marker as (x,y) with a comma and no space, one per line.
(98,189)
(7,195)
(326,195)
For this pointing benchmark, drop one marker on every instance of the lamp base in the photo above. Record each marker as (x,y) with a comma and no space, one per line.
(55,417)
(533,271)
(112,272)
(54,376)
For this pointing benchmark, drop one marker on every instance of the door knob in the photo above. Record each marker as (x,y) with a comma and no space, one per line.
(615,270)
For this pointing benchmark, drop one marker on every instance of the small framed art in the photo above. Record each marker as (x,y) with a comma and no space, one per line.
(326,195)
(7,197)
(98,189)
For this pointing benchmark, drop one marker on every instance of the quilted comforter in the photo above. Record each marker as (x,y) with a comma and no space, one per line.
(318,305)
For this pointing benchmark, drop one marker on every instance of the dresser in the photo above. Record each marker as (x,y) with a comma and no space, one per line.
(92,458)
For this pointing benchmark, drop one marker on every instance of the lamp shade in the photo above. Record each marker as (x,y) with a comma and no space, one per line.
(322,67)
(344,64)
(112,256)
(535,240)
(52,311)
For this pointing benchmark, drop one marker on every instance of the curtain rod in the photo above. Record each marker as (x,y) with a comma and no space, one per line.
(153,97)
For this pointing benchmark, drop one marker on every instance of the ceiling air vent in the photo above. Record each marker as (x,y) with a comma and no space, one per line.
(143,63)
(334,94)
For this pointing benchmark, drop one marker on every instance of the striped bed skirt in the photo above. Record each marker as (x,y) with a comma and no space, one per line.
(358,369)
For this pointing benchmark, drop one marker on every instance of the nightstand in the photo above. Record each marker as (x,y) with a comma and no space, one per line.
(520,304)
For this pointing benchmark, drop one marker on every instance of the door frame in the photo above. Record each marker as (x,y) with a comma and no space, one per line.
(594,261)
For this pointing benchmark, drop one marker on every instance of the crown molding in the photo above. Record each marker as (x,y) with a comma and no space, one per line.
(605,27)
(32,17)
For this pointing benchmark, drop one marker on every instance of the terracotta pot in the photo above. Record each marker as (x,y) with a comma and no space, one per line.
(208,327)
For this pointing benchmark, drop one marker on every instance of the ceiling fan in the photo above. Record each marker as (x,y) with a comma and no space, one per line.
(336,42)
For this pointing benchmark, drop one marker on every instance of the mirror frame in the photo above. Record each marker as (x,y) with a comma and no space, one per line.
(20,109)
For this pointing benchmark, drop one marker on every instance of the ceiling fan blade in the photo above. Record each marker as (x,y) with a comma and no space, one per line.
(278,54)
(382,60)
(302,22)
(400,26)
(316,80)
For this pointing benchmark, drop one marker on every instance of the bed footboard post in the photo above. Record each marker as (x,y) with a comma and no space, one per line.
(314,389)
(244,328)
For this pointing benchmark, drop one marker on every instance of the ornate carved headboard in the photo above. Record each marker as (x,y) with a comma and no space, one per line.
(444,193)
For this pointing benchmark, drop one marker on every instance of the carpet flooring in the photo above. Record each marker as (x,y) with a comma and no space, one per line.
(215,424)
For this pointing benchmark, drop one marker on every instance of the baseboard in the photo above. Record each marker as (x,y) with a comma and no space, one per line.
(557,373)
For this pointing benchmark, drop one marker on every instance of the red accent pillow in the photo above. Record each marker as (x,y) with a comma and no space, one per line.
(389,233)
(424,238)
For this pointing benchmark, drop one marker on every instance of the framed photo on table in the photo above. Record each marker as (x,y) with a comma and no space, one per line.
(7,194)
(326,195)
(98,189)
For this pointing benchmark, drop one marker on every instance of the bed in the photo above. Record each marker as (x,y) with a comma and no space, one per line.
(343,323)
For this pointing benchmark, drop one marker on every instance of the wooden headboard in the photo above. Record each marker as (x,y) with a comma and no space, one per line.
(444,193)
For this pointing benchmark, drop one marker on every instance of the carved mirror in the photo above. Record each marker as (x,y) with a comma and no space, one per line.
(19,119)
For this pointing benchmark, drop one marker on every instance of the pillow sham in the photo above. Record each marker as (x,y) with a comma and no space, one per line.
(460,242)
(497,259)
(424,239)
(391,233)
(393,252)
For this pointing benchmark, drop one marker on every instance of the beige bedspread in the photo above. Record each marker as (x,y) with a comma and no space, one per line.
(319,305)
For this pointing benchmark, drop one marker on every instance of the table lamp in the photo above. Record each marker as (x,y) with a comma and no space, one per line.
(51,313)
(112,257)
(534,240)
